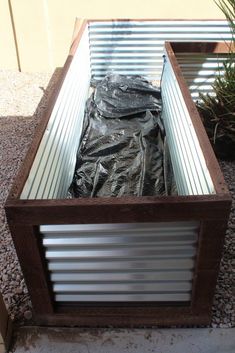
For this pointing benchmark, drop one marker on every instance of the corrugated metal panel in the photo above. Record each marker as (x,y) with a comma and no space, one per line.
(200,71)
(136,47)
(121,262)
(190,170)
(138,297)
(53,166)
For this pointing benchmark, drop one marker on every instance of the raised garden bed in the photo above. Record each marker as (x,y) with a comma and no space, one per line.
(118,261)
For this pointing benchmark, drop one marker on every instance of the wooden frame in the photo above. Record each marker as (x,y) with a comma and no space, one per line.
(25,216)
(5,327)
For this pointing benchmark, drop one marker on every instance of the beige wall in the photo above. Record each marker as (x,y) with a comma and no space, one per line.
(44,27)
(8,57)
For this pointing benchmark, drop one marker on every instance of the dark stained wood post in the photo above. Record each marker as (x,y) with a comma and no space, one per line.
(210,247)
(32,260)
(5,327)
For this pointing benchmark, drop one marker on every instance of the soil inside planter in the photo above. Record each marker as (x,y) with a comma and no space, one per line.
(222,141)
(224,148)
(123,150)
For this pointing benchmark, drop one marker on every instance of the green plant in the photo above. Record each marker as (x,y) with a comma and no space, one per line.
(218,109)
(228,9)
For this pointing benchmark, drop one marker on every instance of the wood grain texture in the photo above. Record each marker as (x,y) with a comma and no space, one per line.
(79,28)
(124,317)
(29,250)
(117,210)
(5,327)
(209,252)
(3,318)
(201,47)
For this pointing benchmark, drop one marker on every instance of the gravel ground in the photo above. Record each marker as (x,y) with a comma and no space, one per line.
(224,300)
(23,98)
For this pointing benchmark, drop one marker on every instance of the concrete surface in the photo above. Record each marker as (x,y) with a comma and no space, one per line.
(71,340)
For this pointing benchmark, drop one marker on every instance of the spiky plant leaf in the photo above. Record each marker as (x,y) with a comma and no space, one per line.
(218,110)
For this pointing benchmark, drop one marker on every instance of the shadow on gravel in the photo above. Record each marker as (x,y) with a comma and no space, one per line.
(16,134)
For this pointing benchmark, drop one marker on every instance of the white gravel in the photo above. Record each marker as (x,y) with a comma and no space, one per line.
(20,112)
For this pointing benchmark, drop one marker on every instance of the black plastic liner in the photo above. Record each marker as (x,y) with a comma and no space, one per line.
(118,96)
(121,152)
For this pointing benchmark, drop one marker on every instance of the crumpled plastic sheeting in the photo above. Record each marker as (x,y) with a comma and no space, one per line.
(121,152)
(118,96)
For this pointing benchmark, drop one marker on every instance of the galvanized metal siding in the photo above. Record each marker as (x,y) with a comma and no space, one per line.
(53,167)
(200,71)
(191,173)
(121,262)
(136,47)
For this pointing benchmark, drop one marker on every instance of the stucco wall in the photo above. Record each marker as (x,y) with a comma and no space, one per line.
(44,27)
(7,46)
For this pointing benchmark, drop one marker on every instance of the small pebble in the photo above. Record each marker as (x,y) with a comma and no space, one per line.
(28,315)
